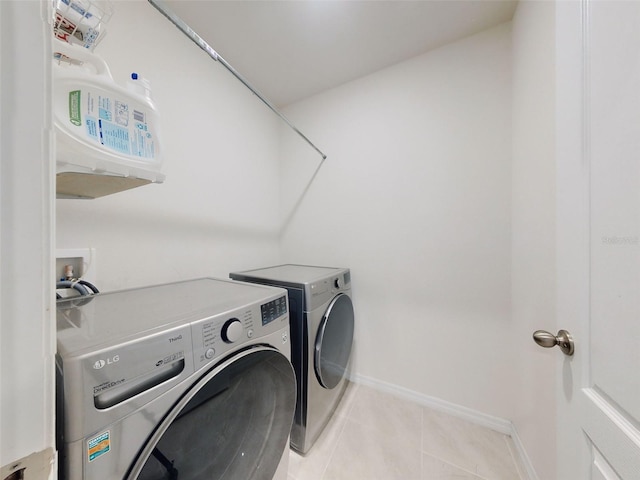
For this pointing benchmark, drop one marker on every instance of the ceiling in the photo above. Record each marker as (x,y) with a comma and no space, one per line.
(290,50)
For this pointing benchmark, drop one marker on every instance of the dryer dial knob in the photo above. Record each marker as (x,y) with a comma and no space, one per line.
(338,282)
(232,330)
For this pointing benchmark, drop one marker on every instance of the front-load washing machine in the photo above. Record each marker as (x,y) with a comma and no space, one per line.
(322,325)
(188,380)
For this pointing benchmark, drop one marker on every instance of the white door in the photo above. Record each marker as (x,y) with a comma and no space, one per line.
(598,155)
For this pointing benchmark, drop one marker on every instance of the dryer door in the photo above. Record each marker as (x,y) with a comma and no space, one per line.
(233,424)
(333,341)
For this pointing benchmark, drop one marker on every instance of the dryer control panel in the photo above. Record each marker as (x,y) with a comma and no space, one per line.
(321,291)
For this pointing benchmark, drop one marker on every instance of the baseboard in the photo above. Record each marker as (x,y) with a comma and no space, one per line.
(494,423)
(523,462)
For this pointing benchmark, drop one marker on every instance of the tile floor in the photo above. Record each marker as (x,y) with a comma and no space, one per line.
(376,436)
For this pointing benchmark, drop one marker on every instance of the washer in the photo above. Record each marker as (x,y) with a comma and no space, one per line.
(185,380)
(322,325)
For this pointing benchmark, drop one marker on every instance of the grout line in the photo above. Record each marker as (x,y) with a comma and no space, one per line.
(333,450)
(356,390)
(344,421)
(458,467)
(423,474)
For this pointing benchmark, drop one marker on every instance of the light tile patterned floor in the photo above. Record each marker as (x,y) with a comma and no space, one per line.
(376,436)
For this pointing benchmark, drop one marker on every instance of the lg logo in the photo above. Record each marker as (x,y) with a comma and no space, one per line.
(101,363)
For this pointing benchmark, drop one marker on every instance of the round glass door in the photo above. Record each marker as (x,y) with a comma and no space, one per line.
(333,341)
(233,424)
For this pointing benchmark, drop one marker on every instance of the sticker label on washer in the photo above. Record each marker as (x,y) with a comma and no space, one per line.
(99,445)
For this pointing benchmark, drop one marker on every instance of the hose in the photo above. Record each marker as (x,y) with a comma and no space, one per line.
(89,285)
(75,285)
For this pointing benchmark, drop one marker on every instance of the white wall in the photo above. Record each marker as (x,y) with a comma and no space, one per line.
(415,198)
(27,333)
(218,208)
(534,231)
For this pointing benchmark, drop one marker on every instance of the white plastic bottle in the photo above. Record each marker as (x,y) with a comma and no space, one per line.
(102,127)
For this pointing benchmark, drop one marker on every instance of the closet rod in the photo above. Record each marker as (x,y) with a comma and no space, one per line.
(198,40)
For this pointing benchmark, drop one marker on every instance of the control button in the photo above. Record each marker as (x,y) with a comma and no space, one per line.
(250,333)
(285,337)
(232,330)
(209,353)
(338,282)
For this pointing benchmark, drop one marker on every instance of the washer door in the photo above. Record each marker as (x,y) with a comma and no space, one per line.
(234,423)
(333,341)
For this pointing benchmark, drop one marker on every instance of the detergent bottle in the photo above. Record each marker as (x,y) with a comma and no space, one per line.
(102,128)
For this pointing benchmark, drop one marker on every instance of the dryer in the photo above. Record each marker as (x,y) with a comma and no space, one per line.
(322,326)
(185,380)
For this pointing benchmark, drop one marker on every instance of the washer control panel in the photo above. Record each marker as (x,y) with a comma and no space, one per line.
(214,336)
